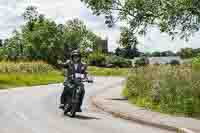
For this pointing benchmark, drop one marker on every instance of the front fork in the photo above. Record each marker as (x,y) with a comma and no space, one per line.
(77,93)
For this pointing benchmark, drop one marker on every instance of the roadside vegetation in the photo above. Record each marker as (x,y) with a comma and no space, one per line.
(21,73)
(98,71)
(14,74)
(170,88)
(173,89)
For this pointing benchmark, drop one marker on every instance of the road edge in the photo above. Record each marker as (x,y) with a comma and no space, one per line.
(97,102)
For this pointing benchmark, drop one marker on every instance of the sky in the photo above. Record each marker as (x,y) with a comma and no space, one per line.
(63,10)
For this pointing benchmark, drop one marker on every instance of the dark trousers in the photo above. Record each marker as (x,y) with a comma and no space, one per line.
(67,92)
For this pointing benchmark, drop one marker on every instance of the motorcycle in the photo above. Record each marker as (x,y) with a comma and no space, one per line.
(73,103)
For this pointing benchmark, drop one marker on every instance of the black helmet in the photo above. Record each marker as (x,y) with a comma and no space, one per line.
(75,53)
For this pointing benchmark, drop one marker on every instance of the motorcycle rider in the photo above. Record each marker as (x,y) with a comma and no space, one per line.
(72,66)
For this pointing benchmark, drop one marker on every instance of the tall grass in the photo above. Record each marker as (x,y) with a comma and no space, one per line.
(25,67)
(168,89)
(14,74)
(98,71)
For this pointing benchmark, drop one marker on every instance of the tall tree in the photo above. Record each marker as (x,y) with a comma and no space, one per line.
(31,15)
(129,42)
(42,39)
(1,43)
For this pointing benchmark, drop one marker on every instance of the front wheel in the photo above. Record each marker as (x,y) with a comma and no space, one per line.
(73,110)
(66,109)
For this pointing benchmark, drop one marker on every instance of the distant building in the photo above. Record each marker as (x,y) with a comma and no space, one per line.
(102,45)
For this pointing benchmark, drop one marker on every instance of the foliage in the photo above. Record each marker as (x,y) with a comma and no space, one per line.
(186,53)
(129,43)
(97,59)
(196,62)
(174,62)
(40,37)
(175,17)
(116,61)
(168,89)
(141,62)
(127,52)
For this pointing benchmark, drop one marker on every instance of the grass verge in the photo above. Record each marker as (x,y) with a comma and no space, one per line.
(168,89)
(16,74)
(10,80)
(98,71)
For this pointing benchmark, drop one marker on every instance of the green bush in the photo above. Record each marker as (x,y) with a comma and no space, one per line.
(97,59)
(142,62)
(166,88)
(196,63)
(116,61)
(174,62)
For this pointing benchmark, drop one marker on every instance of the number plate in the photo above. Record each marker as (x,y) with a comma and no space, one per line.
(79,75)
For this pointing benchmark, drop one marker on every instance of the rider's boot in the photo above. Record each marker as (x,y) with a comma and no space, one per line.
(79,109)
(61,106)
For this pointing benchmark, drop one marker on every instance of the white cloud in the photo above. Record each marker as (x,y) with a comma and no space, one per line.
(62,10)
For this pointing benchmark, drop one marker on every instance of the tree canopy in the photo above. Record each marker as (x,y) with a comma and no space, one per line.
(175,17)
(41,38)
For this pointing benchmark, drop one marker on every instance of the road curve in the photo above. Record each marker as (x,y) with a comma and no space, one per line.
(34,110)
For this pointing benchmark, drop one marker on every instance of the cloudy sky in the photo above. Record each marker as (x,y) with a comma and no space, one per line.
(62,10)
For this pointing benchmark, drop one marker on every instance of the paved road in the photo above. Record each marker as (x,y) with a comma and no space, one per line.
(34,110)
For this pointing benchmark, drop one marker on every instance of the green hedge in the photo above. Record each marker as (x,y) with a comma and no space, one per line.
(142,62)
(116,61)
(101,60)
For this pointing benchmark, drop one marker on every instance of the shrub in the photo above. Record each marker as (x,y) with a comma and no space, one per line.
(196,63)
(142,61)
(97,59)
(116,61)
(174,62)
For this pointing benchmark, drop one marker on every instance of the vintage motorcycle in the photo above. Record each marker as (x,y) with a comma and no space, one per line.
(73,102)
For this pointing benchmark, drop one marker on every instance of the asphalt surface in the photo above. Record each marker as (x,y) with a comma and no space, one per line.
(35,110)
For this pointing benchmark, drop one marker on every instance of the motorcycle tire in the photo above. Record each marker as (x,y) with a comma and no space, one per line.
(66,109)
(73,111)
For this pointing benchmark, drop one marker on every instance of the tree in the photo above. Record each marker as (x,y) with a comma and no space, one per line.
(119,52)
(129,42)
(186,53)
(175,17)
(31,15)
(42,39)
(156,54)
(196,52)
(1,43)
(147,54)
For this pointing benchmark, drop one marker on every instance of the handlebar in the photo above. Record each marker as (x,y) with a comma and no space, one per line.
(87,80)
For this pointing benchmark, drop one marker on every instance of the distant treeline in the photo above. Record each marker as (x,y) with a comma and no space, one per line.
(183,53)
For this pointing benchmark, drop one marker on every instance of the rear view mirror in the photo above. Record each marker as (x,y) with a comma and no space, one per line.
(90,79)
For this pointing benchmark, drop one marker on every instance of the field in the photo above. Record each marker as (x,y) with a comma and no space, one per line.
(27,74)
(14,74)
